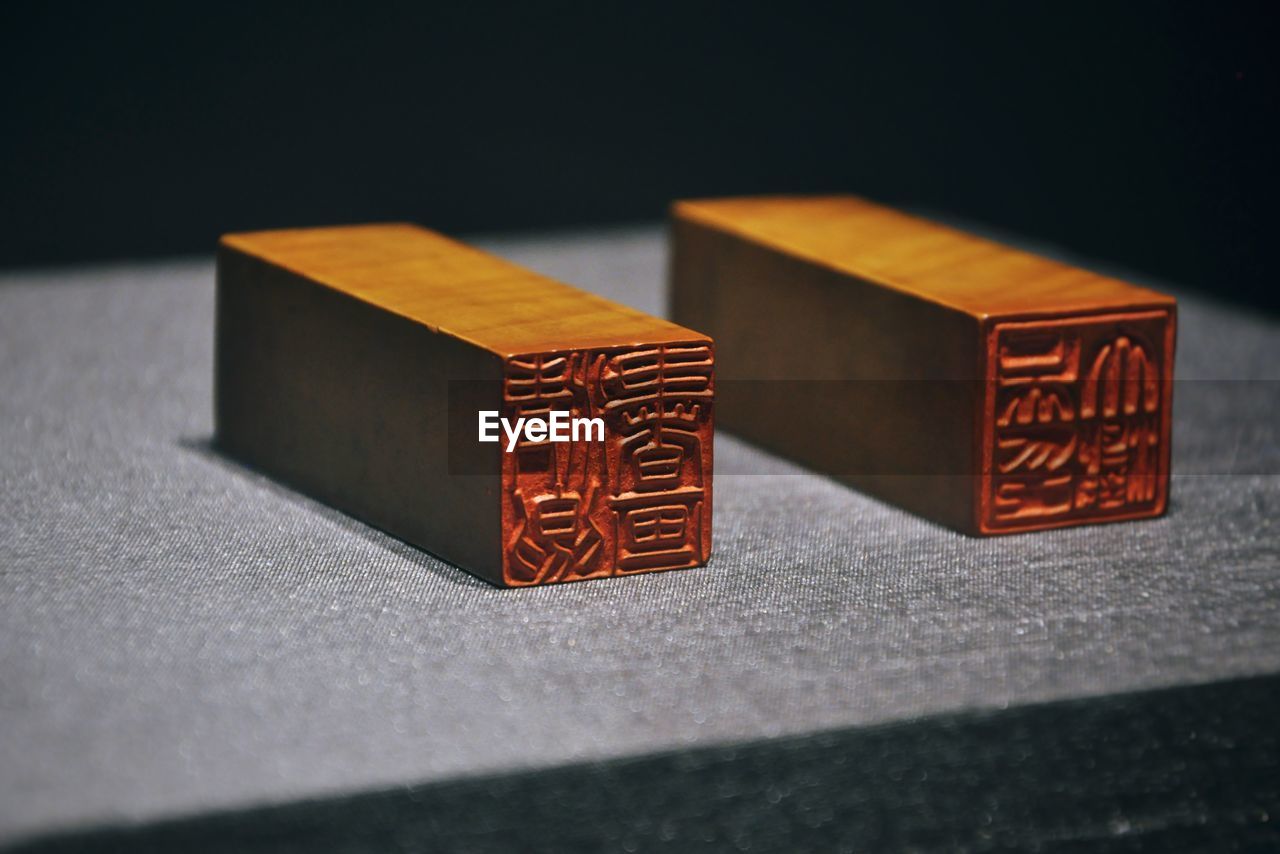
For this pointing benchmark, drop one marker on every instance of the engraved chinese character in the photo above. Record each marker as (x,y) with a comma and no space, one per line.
(555,535)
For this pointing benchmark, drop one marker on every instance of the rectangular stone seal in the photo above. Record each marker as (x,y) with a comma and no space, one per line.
(985,388)
(354,364)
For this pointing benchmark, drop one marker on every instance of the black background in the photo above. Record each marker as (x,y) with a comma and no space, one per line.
(1139,134)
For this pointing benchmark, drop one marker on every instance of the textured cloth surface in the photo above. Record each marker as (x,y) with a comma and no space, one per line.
(179,634)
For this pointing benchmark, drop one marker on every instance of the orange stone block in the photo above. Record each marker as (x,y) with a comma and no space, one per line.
(986,388)
(354,364)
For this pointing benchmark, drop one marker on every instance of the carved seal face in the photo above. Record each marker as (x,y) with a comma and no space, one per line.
(1077,420)
(638,501)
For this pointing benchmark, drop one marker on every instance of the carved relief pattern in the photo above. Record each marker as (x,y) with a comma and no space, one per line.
(638,501)
(1076,421)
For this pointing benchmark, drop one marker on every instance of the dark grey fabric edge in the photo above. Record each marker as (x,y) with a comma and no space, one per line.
(1187,768)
